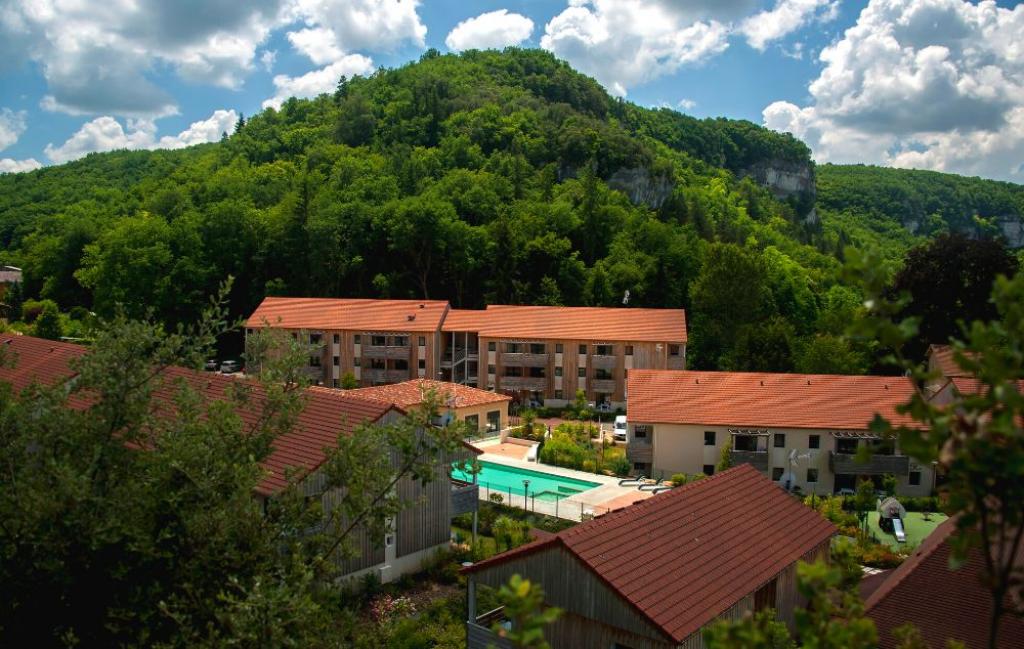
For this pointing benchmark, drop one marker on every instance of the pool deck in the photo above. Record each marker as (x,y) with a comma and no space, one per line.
(607,496)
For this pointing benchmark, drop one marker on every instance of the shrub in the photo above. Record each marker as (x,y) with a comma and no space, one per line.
(562,450)
(589,466)
(877,555)
(618,465)
(678,479)
(496,498)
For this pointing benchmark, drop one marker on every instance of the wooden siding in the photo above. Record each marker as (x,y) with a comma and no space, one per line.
(426,523)
(569,585)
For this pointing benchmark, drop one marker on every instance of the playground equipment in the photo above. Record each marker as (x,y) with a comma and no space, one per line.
(890,518)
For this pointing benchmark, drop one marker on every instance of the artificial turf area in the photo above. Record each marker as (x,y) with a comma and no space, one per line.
(914,525)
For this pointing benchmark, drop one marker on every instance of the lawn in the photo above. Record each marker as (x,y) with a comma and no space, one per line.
(916,527)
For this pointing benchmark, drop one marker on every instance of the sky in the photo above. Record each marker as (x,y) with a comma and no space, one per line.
(933,84)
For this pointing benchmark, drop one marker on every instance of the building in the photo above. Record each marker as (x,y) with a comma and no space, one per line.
(9,276)
(654,574)
(803,430)
(485,411)
(419,530)
(375,341)
(943,603)
(536,354)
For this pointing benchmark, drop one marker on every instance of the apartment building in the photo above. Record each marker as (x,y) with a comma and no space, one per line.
(802,430)
(376,341)
(537,354)
(544,354)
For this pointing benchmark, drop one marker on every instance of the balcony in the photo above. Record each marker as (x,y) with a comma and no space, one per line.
(676,363)
(876,464)
(465,497)
(602,362)
(381,351)
(604,386)
(523,383)
(479,634)
(757,459)
(374,375)
(524,360)
(639,451)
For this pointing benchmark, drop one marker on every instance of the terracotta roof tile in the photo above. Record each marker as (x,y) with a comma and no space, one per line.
(763,399)
(940,357)
(349,314)
(573,323)
(409,394)
(326,415)
(943,603)
(684,557)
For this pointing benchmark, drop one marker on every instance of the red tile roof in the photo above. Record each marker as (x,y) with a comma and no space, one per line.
(764,399)
(940,357)
(326,415)
(573,323)
(349,314)
(684,557)
(409,394)
(943,603)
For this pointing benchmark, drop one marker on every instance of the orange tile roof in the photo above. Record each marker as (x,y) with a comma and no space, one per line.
(684,557)
(409,394)
(957,606)
(941,358)
(763,399)
(325,416)
(349,314)
(573,323)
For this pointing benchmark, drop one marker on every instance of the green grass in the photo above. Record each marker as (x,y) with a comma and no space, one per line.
(914,525)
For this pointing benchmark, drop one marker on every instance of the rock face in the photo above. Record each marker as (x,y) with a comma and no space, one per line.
(1012,228)
(782,177)
(641,187)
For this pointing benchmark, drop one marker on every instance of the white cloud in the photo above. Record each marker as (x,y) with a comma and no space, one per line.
(922,83)
(319,44)
(364,25)
(268,58)
(12,125)
(11,166)
(319,81)
(97,57)
(686,104)
(623,43)
(491,30)
(106,134)
(784,18)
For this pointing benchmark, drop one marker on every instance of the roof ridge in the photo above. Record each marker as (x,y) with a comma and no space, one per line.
(931,544)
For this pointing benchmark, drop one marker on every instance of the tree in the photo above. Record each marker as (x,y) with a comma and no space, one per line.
(864,501)
(764,347)
(349,381)
(830,354)
(979,444)
(889,484)
(948,280)
(524,606)
(14,297)
(754,630)
(48,324)
(725,457)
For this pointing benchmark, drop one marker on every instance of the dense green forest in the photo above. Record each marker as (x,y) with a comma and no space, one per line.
(485,177)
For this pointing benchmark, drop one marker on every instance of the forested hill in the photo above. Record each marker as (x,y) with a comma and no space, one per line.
(483,177)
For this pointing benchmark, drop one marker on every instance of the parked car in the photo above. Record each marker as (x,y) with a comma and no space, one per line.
(212,365)
(230,367)
(619,430)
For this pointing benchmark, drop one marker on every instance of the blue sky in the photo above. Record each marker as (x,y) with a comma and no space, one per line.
(916,83)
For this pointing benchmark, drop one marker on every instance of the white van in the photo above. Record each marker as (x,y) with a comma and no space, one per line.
(619,431)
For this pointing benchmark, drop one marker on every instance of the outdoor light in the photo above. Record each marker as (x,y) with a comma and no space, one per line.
(526,492)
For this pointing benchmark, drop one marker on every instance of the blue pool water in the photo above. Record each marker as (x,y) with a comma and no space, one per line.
(543,486)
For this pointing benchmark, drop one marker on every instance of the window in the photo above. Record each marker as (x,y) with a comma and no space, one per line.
(538,372)
(389,540)
(473,422)
(629,350)
(581,372)
(558,394)
(639,466)
(492,346)
(401,364)
(423,341)
(780,440)
(314,361)
(603,374)
(490,369)
(334,383)
(337,361)
(337,339)
(846,446)
(314,339)
(583,350)
(709,438)
(357,338)
(494,420)
(558,371)
(558,348)
(812,475)
(777,473)
(377,363)
(747,443)
(378,341)
(641,431)
(914,479)
(673,350)
(538,348)
(709,469)
(355,362)
(400,341)
(513,348)
(295,336)
(423,364)
(814,441)
(513,371)
(604,350)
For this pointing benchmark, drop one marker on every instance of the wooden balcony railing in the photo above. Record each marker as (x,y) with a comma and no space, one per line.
(602,362)
(389,351)
(603,385)
(757,459)
(877,465)
(522,383)
(518,359)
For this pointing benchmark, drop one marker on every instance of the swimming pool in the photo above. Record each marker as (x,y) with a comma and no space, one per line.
(502,479)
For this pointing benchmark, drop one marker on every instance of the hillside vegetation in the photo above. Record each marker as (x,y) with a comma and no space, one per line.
(483,177)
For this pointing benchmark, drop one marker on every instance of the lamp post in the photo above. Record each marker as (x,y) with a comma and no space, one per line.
(526,492)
